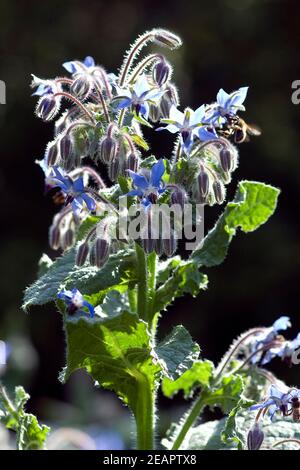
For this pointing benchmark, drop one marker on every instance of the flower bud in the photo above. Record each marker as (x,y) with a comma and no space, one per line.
(219,191)
(226,160)
(65,145)
(101,251)
(169,245)
(68,238)
(154,113)
(255,437)
(161,72)
(168,99)
(82,254)
(203,183)
(165,38)
(81,86)
(159,250)
(47,107)
(52,153)
(114,170)
(107,149)
(132,162)
(148,244)
(178,196)
(54,237)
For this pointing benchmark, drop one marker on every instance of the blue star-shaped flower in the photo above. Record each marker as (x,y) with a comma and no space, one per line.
(75,66)
(75,190)
(139,96)
(190,124)
(43,87)
(148,188)
(228,104)
(278,400)
(75,302)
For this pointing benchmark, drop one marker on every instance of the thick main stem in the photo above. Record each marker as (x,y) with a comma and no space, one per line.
(144,415)
(142,288)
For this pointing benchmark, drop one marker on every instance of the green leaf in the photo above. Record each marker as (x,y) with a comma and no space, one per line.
(186,279)
(252,206)
(199,375)
(231,431)
(116,352)
(208,436)
(227,394)
(44,264)
(120,268)
(30,434)
(177,352)
(140,141)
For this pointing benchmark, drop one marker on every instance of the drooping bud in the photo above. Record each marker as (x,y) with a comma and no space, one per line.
(65,146)
(169,98)
(154,113)
(226,160)
(54,237)
(159,247)
(161,72)
(203,183)
(179,196)
(148,244)
(132,162)
(107,149)
(102,246)
(68,238)
(219,191)
(114,170)
(166,38)
(81,86)
(169,245)
(52,153)
(82,254)
(47,107)
(255,437)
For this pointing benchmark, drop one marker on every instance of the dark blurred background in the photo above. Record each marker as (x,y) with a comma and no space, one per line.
(226,44)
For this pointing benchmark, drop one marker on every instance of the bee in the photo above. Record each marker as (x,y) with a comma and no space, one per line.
(295,406)
(238,129)
(58,198)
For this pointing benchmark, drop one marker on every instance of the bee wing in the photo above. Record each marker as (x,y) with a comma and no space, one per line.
(253,130)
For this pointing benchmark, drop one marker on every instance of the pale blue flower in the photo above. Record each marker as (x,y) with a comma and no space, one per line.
(139,96)
(75,302)
(75,66)
(189,124)
(148,187)
(277,400)
(43,87)
(228,104)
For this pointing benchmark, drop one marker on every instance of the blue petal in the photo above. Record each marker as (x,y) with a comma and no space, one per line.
(281,324)
(138,180)
(135,192)
(204,134)
(90,307)
(124,103)
(141,86)
(237,98)
(42,90)
(222,98)
(173,128)
(144,110)
(157,172)
(71,66)
(89,61)
(90,203)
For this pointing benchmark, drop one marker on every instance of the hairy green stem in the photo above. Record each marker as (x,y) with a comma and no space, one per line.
(142,274)
(145,416)
(189,419)
(152,262)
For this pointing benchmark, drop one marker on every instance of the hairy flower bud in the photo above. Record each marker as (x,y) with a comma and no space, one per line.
(179,196)
(52,153)
(82,254)
(65,145)
(169,98)
(47,107)
(68,238)
(203,183)
(226,160)
(54,237)
(169,245)
(81,86)
(154,113)
(255,437)
(148,244)
(107,149)
(161,72)
(219,191)
(114,170)
(102,246)
(132,162)
(165,38)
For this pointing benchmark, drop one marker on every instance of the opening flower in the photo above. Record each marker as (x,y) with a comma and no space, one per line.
(75,302)
(74,190)
(139,96)
(44,87)
(189,124)
(278,400)
(148,186)
(228,104)
(75,66)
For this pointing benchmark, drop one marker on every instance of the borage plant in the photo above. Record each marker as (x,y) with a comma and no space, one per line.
(118,270)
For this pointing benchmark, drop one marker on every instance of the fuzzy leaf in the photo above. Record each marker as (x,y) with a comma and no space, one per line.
(198,375)
(186,279)
(116,352)
(30,434)
(177,352)
(252,206)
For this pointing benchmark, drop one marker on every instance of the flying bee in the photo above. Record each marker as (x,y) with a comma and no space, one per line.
(58,198)
(239,129)
(295,406)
